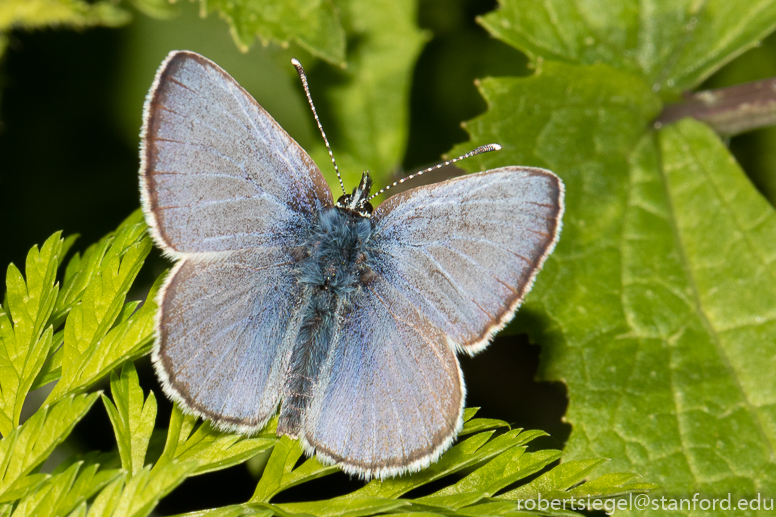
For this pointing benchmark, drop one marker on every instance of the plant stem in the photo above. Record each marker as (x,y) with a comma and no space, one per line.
(729,111)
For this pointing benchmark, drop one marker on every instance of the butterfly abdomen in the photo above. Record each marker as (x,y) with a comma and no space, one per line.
(331,267)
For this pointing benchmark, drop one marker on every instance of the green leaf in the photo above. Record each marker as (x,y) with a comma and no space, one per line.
(139,495)
(63,492)
(132,417)
(493,462)
(280,474)
(161,9)
(468,453)
(656,308)
(31,14)
(26,335)
(312,24)
(672,44)
(29,445)
(101,332)
(353,507)
(211,449)
(370,99)
(502,471)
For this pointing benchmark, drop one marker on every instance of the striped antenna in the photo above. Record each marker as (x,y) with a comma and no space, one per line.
(303,77)
(480,150)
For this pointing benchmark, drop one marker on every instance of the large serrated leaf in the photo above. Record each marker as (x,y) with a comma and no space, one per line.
(656,309)
(672,44)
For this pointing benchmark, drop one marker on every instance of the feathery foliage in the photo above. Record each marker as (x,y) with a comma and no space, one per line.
(86,331)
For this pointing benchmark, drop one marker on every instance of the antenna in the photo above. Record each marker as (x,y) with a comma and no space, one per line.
(480,150)
(303,77)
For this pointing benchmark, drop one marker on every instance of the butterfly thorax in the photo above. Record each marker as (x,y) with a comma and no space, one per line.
(331,266)
(335,256)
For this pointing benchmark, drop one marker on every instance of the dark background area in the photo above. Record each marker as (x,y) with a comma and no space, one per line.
(69,118)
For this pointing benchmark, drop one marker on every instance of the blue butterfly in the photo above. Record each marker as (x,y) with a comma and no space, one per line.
(346,318)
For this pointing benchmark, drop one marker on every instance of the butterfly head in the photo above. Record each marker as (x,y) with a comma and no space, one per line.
(357,202)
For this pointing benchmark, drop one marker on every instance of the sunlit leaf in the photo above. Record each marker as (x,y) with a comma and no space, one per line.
(26,334)
(312,24)
(211,449)
(30,14)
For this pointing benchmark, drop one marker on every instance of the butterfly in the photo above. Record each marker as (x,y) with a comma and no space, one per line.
(343,318)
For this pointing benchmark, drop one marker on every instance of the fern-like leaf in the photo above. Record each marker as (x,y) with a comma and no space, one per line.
(132,417)
(102,331)
(211,449)
(26,333)
(29,445)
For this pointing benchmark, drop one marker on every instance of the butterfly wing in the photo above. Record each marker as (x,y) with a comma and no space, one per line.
(466,251)
(218,173)
(229,193)
(451,263)
(390,396)
(224,329)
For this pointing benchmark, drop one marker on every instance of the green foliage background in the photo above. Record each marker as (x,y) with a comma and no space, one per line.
(656,310)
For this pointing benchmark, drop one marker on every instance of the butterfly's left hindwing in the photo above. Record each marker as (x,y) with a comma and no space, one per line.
(390,397)
(225,329)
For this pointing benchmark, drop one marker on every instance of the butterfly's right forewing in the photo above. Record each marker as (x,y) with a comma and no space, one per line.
(231,195)
(218,173)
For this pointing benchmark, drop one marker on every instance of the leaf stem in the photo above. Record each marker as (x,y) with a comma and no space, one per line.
(729,111)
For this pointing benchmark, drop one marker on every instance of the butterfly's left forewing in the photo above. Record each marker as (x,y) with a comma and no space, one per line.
(466,251)
(218,173)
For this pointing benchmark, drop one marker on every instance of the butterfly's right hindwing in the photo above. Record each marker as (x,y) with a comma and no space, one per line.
(389,398)
(225,328)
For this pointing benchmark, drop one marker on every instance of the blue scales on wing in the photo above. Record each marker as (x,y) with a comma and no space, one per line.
(218,172)
(226,191)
